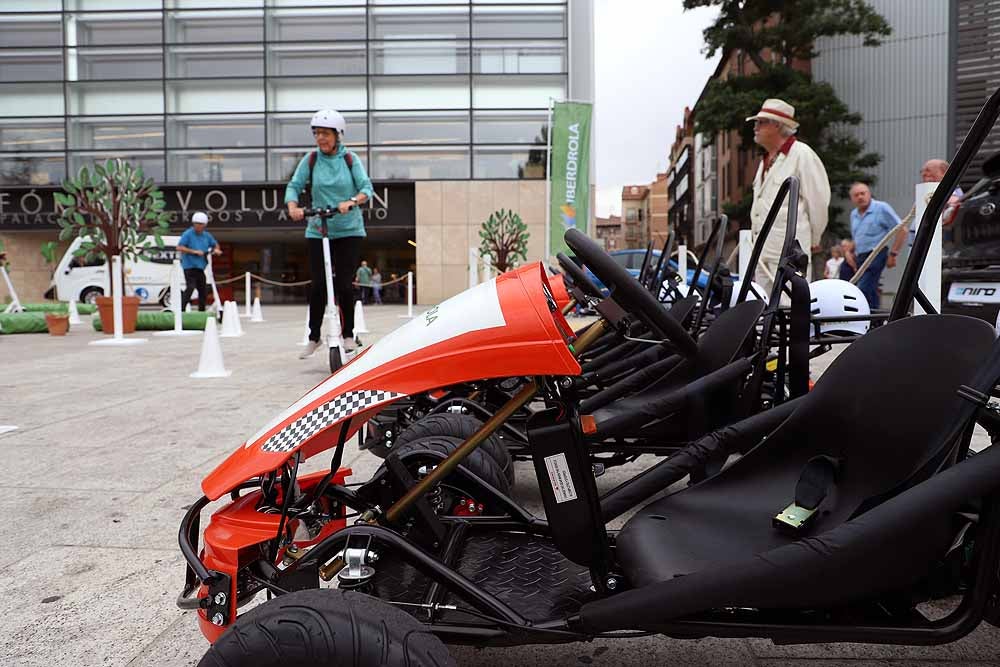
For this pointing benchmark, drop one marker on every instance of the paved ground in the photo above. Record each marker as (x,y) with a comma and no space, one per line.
(111,446)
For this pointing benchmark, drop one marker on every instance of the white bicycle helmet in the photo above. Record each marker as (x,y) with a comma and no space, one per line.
(838,298)
(751,295)
(329,118)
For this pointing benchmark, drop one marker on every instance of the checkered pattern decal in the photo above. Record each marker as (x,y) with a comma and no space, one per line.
(329,413)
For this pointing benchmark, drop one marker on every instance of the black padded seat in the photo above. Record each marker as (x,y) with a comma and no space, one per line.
(731,335)
(884,409)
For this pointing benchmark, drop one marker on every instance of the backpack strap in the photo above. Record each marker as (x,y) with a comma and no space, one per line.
(309,182)
(349,160)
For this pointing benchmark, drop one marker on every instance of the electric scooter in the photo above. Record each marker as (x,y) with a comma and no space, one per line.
(334,332)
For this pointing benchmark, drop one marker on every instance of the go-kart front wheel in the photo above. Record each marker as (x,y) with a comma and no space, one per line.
(336,359)
(327,627)
(459,426)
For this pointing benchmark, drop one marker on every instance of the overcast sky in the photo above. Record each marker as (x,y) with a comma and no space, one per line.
(649,65)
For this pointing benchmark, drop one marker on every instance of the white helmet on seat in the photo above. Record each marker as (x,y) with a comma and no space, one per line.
(329,118)
(838,298)
(751,294)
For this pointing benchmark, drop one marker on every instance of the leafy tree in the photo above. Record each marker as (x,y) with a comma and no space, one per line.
(504,239)
(774,34)
(114,209)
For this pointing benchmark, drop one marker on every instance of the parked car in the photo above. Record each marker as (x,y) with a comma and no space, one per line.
(148,278)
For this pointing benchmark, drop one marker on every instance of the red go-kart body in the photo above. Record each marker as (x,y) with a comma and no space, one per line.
(509,326)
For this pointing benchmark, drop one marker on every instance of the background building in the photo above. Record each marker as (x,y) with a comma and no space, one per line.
(635,215)
(445,103)
(609,231)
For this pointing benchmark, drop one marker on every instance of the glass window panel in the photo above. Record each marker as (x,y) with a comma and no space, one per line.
(201,4)
(114,63)
(36,5)
(112,4)
(420,163)
(215,166)
(419,22)
(521,21)
(425,92)
(31,99)
(319,25)
(288,94)
(213,26)
(111,28)
(420,128)
(292,129)
(519,127)
(281,162)
(508,162)
(520,58)
(216,96)
(517,92)
(310,3)
(419,57)
(418,2)
(31,65)
(128,132)
(26,134)
(32,30)
(151,162)
(315,59)
(29,169)
(241,60)
(214,131)
(138,97)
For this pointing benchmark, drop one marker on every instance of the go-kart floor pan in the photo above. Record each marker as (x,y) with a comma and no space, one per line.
(524,571)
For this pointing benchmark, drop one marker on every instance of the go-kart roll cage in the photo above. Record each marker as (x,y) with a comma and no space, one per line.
(980,600)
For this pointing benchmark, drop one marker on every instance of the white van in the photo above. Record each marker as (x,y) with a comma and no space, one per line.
(148,278)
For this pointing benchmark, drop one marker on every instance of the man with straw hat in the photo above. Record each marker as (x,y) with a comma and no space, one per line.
(774,130)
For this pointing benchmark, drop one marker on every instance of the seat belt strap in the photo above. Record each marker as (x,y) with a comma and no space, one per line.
(817,479)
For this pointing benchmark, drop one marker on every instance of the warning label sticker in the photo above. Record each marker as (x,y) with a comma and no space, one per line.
(559,477)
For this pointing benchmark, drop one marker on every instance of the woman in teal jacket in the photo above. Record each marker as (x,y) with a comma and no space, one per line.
(336,179)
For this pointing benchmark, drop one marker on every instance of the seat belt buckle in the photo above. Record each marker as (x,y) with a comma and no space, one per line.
(793,518)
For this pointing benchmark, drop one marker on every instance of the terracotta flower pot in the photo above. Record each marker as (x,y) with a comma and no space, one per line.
(58,324)
(130,312)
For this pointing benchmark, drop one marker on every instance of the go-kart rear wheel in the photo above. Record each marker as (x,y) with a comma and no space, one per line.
(327,627)
(459,426)
(425,453)
(336,359)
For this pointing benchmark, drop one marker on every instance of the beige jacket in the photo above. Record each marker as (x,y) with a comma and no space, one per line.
(814,202)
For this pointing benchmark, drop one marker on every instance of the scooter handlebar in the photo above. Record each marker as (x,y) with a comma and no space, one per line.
(327,212)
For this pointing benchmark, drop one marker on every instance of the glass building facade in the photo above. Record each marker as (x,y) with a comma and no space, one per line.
(201,91)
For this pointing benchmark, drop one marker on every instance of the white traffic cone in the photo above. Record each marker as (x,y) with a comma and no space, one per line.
(211,365)
(187,308)
(359,318)
(256,315)
(231,327)
(74,314)
(305,334)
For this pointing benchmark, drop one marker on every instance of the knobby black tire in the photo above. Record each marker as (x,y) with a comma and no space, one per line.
(478,462)
(459,426)
(326,627)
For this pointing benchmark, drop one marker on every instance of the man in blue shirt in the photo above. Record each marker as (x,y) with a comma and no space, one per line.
(194,246)
(871,220)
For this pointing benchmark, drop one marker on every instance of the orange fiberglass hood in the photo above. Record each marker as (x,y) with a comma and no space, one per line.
(509,326)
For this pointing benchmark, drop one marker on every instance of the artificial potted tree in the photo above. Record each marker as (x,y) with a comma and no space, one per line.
(57,323)
(115,210)
(504,239)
